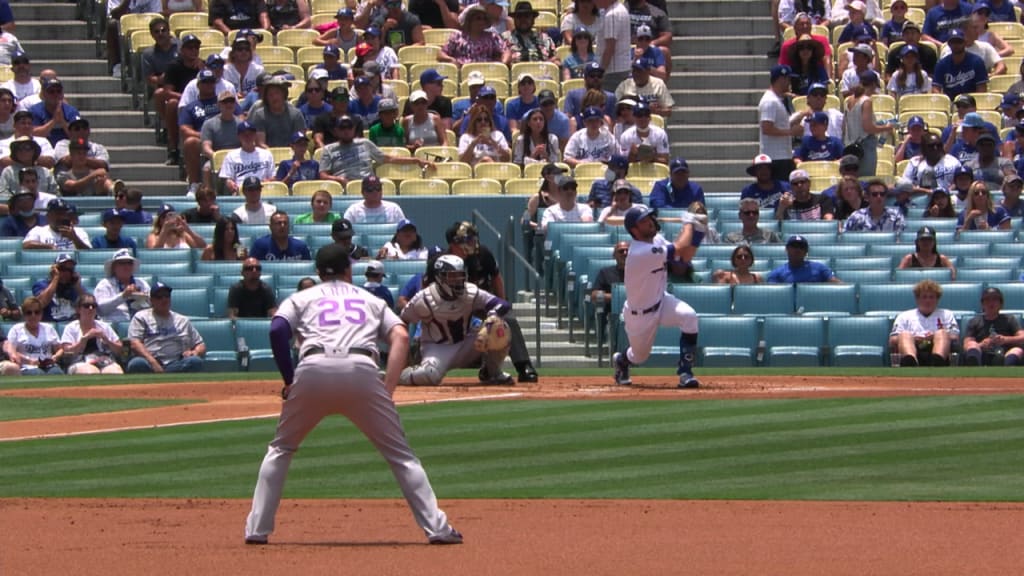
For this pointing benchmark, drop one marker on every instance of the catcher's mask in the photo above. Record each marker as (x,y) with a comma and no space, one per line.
(450,273)
(466,235)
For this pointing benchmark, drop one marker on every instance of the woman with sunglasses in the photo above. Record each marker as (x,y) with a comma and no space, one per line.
(241,71)
(980,212)
(742,259)
(482,142)
(582,52)
(475,42)
(90,344)
(34,345)
(120,295)
(171,231)
(926,253)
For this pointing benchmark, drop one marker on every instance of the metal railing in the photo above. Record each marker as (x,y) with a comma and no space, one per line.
(507,252)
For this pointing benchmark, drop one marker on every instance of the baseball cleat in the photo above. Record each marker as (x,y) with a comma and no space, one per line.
(527,375)
(686,380)
(499,379)
(256,540)
(452,537)
(621,369)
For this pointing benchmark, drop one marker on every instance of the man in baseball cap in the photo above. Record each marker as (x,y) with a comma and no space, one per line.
(113,221)
(798,268)
(777,129)
(593,76)
(765,188)
(343,235)
(676,191)
(960,72)
(993,338)
(59,232)
(592,141)
(819,145)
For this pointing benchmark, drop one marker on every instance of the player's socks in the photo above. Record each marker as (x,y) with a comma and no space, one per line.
(687,349)
(1011,360)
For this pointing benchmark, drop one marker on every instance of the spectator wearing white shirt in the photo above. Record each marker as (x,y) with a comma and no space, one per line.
(373,209)
(255,210)
(613,43)
(23,84)
(248,160)
(568,209)
(622,201)
(644,142)
(58,233)
(592,143)
(23,128)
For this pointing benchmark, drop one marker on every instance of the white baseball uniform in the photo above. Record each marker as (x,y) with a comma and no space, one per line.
(339,324)
(647,305)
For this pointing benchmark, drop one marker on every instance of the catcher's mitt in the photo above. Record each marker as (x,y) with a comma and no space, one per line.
(493,335)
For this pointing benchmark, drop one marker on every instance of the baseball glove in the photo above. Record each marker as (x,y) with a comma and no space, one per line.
(493,335)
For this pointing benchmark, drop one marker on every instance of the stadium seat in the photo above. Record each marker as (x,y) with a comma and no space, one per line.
(438,154)
(961,297)
(255,333)
(180,21)
(914,275)
(219,336)
(987,275)
(826,299)
(427,54)
(296,38)
(476,187)
(451,171)
(762,299)
(845,264)
(308,187)
(885,299)
(706,299)
(728,341)
(191,302)
(521,187)
(987,236)
(1004,262)
(437,36)
(187,280)
(428,187)
(793,340)
(500,171)
(858,340)
(965,249)
(398,172)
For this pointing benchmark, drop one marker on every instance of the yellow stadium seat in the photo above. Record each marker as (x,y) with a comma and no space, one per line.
(546,20)
(443,68)
(545,6)
(499,171)
(648,170)
(218,160)
(6,73)
(355,187)
(281,153)
(309,56)
(901,167)
(398,172)
(438,153)
(522,186)
(295,70)
(308,187)
(644,185)
(401,151)
(819,183)
(816,29)
(884,168)
(418,54)
(934,118)
(437,36)
(1007,30)
(923,103)
(995,118)
(501,88)
(295,90)
(883,103)
(539,70)
(477,187)
(266,35)
(207,36)
(272,55)
(533,169)
(451,171)
(428,187)
(1002,82)
(572,84)
(590,170)
(986,100)
(449,88)
(188,21)
(563,52)
(401,88)
(1012,65)
(206,51)
(490,70)
(327,6)
(275,189)
(296,38)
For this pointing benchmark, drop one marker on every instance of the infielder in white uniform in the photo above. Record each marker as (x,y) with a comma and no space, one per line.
(339,325)
(647,304)
(446,310)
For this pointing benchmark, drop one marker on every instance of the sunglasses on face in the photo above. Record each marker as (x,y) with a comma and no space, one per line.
(876,194)
(89,306)
(749,212)
(161,30)
(313,91)
(252,268)
(31,312)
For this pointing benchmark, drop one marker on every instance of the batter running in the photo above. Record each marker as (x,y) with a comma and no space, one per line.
(647,304)
(339,325)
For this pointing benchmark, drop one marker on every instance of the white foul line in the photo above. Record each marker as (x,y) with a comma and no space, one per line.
(240,418)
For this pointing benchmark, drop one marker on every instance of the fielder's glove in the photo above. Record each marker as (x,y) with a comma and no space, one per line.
(493,335)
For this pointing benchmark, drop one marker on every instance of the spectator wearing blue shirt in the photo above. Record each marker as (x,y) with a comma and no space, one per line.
(996,10)
(60,292)
(375,282)
(980,212)
(332,64)
(112,238)
(475,82)
(819,145)
(601,190)
(961,72)
(132,212)
(676,191)
(911,145)
(857,27)
(365,103)
(279,244)
(764,188)
(21,215)
(941,21)
(892,30)
(51,116)
(298,168)
(593,76)
(798,268)
(558,122)
(517,107)
(315,104)
(489,98)
(649,53)
(1012,186)
(964,104)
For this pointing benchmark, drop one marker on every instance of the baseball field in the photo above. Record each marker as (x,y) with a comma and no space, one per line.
(816,472)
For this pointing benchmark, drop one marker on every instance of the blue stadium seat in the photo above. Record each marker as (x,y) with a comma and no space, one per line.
(188,281)
(163,256)
(728,341)
(865,276)
(987,236)
(871,238)
(219,297)
(908,237)
(835,251)
(1008,249)
(166,270)
(805,227)
(964,249)
(961,297)
(826,299)
(289,267)
(760,264)
(219,336)
(885,299)
(918,274)
(987,275)
(220,268)
(939,224)
(95,256)
(793,340)
(706,298)
(862,263)
(717,251)
(46,257)
(1004,262)
(191,302)
(762,299)
(894,251)
(1013,295)
(858,340)
(256,335)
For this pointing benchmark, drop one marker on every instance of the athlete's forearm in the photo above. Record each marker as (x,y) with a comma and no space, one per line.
(280,345)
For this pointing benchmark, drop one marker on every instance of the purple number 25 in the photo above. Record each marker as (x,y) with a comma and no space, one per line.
(331,313)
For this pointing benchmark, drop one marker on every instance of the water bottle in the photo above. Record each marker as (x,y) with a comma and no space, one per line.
(998,350)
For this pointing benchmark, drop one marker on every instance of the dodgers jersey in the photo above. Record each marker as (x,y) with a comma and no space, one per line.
(337,316)
(647,271)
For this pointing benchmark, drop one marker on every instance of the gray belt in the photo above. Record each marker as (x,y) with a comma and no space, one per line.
(313,351)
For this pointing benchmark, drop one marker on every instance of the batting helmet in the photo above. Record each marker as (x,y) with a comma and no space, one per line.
(450,274)
(637,213)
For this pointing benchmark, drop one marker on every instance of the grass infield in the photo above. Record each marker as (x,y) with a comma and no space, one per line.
(955,448)
(29,408)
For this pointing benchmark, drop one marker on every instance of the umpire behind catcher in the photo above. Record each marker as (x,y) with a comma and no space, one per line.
(482,270)
(339,324)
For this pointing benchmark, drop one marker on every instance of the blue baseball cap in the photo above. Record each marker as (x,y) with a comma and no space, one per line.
(818,87)
(159,287)
(635,214)
(245,126)
(819,118)
(111,213)
(679,165)
(979,6)
(404,223)
(252,183)
(592,69)
(332,50)
(65,257)
(249,33)
(780,70)
(973,120)
(909,49)
(963,171)
(641,64)
(372,31)
(916,121)
(206,76)
(618,161)
(190,39)
(430,75)
(58,205)
(362,81)
(345,13)
(372,182)
(165,208)
(19,56)
(641,108)
(956,34)
(1010,99)
(486,91)
(592,112)
(214,61)
(798,241)
(299,136)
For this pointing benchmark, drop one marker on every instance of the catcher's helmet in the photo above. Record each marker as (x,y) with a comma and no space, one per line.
(635,214)
(450,274)
(465,234)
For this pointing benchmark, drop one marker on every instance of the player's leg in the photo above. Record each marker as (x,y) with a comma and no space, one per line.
(675,312)
(308,402)
(372,410)
(518,352)
(490,363)
(436,360)
(640,332)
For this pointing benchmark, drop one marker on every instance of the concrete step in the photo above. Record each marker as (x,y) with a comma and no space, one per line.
(86,102)
(29,31)
(91,85)
(693,29)
(722,81)
(713,133)
(45,49)
(43,11)
(146,171)
(715,115)
(125,154)
(748,62)
(73,67)
(170,188)
(700,97)
(697,149)
(739,44)
(111,119)
(737,9)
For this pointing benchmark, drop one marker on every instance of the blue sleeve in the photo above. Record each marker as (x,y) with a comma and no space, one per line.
(940,73)
(280,345)
(497,306)
(836,149)
(930,24)
(412,286)
(698,193)
(304,250)
(845,35)
(981,73)
(572,103)
(801,150)
(8,229)
(259,249)
(657,58)
(282,169)
(39,286)
(775,276)
(512,108)
(385,294)
(659,194)
(636,196)
(184,118)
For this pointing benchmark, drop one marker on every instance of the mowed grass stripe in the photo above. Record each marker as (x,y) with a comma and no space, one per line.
(32,408)
(947,448)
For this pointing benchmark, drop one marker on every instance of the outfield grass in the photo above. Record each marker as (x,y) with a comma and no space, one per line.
(29,408)
(967,448)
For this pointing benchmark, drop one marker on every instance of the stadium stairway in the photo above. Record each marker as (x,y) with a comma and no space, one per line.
(718,75)
(556,350)
(53,38)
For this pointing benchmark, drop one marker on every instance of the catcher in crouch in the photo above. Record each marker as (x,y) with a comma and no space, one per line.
(451,334)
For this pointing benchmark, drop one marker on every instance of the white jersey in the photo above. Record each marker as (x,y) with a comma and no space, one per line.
(655,137)
(336,316)
(920,325)
(22,91)
(555,213)
(613,211)
(113,307)
(73,333)
(585,149)
(36,347)
(447,321)
(772,109)
(646,274)
(46,235)
(238,164)
(190,95)
(387,213)
(259,216)
(242,84)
